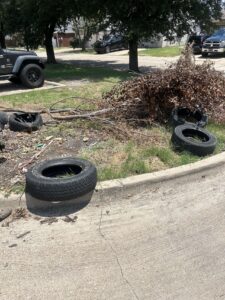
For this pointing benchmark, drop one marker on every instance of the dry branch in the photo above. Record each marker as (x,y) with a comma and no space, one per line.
(34,157)
(82,116)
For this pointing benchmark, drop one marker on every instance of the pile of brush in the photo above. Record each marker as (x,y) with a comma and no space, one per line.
(150,98)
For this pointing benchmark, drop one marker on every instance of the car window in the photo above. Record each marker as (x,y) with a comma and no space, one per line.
(220,32)
(107,38)
(114,39)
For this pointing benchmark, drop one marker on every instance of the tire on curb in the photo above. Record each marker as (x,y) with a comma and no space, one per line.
(27,122)
(195,140)
(61,179)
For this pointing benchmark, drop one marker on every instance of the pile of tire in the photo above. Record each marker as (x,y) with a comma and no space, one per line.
(189,133)
(21,121)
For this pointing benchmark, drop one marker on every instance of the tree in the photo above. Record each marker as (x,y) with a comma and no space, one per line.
(138,19)
(3,18)
(85,27)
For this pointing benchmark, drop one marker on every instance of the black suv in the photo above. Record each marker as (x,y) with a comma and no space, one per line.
(110,43)
(197,42)
(21,66)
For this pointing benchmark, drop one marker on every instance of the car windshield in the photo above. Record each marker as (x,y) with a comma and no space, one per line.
(107,38)
(220,32)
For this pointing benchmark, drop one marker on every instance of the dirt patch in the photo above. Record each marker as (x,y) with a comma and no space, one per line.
(65,139)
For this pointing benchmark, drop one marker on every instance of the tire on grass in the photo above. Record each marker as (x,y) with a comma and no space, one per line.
(3,120)
(27,122)
(180,115)
(61,179)
(195,140)
(200,117)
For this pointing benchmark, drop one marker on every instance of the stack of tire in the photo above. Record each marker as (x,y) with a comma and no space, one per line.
(190,135)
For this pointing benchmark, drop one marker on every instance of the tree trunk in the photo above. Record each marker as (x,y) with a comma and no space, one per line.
(2,36)
(49,46)
(133,54)
(83,45)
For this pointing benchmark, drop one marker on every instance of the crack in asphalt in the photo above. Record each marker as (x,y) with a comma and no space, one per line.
(117,259)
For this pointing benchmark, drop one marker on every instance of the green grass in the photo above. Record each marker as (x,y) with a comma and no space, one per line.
(161,52)
(219,131)
(121,159)
(98,81)
(60,72)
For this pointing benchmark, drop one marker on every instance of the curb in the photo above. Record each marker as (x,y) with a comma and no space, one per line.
(112,189)
(50,85)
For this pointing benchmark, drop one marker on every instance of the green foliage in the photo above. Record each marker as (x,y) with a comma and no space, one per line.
(75,43)
(150,18)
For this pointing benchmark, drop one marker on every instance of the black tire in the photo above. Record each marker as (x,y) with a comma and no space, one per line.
(42,182)
(200,117)
(3,120)
(107,49)
(15,80)
(204,54)
(183,139)
(180,115)
(32,76)
(27,122)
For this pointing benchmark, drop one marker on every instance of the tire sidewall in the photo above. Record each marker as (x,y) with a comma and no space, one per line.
(199,148)
(107,49)
(14,125)
(58,189)
(24,76)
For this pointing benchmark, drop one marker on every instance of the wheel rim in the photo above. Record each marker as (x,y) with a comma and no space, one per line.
(33,75)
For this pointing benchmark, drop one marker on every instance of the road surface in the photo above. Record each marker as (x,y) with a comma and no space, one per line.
(167,242)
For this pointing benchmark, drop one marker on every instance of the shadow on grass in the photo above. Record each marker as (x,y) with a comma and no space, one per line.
(91,70)
(61,72)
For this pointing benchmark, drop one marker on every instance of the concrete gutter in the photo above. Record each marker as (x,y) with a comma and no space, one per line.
(121,188)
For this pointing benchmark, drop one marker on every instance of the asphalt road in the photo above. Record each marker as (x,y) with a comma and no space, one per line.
(119,60)
(167,242)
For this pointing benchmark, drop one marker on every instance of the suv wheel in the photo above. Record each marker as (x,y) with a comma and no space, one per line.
(32,76)
(15,80)
(107,49)
(204,54)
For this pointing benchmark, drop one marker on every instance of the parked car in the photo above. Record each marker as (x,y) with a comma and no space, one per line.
(110,43)
(196,41)
(215,43)
(21,67)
